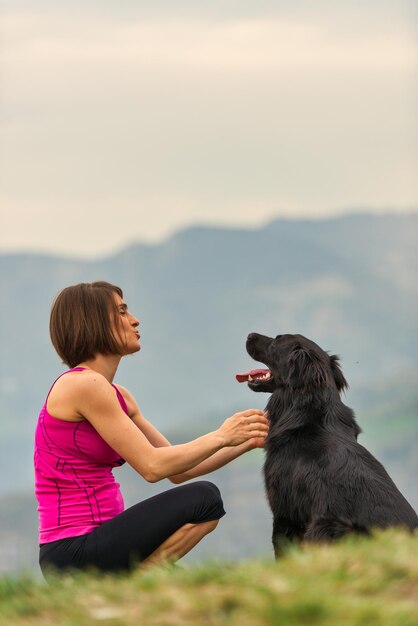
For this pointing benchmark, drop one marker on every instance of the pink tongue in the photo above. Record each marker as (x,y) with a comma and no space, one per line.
(243,378)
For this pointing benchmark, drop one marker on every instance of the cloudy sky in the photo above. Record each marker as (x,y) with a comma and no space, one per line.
(125,120)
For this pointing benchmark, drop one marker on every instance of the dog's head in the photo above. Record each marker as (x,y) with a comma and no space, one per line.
(293,362)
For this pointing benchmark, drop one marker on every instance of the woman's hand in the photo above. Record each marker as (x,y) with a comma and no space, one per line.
(258,442)
(250,425)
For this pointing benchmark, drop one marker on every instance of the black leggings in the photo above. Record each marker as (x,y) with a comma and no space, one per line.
(130,537)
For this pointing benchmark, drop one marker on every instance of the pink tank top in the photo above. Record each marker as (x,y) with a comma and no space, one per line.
(74,483)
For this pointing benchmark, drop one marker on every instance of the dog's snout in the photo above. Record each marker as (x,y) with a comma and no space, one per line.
(252,337)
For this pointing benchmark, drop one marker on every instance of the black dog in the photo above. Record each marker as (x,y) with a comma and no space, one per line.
(320,482)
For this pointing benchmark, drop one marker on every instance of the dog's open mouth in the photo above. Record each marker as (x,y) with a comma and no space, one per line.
(254,376)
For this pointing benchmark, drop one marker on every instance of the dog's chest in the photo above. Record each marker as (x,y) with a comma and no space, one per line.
(290,475)
(286,471)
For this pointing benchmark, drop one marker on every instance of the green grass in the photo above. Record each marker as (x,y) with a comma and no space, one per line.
(357,582)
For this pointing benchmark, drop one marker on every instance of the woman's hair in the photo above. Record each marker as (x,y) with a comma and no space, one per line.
(80,322)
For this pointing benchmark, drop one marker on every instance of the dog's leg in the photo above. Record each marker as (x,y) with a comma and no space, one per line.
(284,532)
(330,528)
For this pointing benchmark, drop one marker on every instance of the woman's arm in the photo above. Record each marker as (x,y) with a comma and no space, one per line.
(214,462)
(217,460)
(96,401)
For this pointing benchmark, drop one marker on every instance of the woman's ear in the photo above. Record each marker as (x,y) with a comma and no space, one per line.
(340,381)
(306,369)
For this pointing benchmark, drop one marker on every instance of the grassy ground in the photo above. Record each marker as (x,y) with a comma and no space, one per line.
(358,582)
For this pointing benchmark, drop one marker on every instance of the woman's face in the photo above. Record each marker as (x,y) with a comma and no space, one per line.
(127,328)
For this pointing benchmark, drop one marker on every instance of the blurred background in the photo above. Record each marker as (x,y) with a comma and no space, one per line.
(234,168)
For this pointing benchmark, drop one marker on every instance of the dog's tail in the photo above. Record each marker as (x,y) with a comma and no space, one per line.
(329,528)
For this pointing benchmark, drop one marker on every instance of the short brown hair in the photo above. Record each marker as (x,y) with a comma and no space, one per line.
(79,325)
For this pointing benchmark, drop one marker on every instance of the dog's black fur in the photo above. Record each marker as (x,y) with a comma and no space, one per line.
(320,482)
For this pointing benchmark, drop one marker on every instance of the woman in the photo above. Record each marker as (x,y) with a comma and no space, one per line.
(88,425)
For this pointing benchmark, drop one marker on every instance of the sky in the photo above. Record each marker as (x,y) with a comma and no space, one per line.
(126,121)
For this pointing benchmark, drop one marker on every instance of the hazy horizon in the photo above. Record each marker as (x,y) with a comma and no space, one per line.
(125,122)
(44,250)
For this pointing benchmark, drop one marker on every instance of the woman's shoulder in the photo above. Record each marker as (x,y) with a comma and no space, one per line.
(125,392)
(131,403)
(80,381)
(64,396)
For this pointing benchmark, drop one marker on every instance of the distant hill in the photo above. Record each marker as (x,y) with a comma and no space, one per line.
(349,283)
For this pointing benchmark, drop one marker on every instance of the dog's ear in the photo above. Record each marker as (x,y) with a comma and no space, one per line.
(340,381)
(305,369)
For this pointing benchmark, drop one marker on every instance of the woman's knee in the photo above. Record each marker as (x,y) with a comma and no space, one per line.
(210,505)
(209,492)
